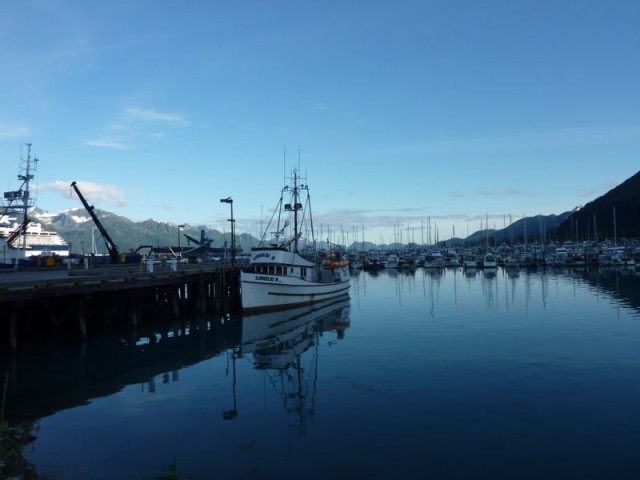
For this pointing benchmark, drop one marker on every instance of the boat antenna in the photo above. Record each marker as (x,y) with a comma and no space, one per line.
(284,168)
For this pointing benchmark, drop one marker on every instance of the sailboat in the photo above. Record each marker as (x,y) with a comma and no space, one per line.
(288,271)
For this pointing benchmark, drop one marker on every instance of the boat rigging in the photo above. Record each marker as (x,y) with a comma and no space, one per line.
(284,275)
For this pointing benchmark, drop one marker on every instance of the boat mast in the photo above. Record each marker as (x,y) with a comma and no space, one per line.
(296,206)
(26,201)
(615,233)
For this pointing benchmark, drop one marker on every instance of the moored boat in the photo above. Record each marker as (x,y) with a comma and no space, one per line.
(21,238)
(392,261)
(469,261)
(489,261)
(280,276)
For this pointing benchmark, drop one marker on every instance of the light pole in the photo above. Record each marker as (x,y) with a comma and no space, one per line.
(180,227)
(229,200)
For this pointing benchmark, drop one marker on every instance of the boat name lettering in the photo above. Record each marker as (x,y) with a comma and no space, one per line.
(266,278)
(261,255)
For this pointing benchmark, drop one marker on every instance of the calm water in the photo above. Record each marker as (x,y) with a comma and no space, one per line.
(426,375)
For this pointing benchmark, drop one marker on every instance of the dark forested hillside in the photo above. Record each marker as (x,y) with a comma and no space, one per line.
(595,220)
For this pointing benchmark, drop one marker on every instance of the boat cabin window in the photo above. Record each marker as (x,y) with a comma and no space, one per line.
(303,272)
(279,270)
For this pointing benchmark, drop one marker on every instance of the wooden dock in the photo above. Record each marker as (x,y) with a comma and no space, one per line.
(52,297)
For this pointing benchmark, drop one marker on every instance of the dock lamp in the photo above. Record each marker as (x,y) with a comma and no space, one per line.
(180,227)
(229,200)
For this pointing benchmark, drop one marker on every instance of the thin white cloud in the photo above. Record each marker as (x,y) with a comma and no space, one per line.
(137,125)
(511,142)
(108,194)
(151,115)
(12,132)
(504,191)
(513,191)
(413,209)
(102,143)
(587,193)
(561,137)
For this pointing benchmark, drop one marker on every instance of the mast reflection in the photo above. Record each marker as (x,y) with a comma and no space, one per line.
(278,341)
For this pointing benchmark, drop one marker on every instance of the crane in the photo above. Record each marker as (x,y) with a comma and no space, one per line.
(111,247)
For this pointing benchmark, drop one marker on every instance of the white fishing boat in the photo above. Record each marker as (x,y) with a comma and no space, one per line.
(20,237)
(280,276)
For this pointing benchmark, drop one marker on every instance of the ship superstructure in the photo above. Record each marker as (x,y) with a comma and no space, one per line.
(20,237)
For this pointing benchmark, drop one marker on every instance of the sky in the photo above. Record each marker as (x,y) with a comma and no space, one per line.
(408,119)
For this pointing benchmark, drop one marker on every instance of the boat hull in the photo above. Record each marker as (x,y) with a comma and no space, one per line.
(262,292)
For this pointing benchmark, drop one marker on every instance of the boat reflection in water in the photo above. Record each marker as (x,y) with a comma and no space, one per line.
(277,342)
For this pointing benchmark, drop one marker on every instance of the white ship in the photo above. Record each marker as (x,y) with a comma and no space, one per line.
(281,276)
(22,239)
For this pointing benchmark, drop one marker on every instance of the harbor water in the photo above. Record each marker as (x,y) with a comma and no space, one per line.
(430,373)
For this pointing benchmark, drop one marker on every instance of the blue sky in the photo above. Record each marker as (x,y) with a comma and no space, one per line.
(400,113)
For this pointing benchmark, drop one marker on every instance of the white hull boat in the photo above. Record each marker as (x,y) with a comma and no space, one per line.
(280,277)
(22,239)
(489,261)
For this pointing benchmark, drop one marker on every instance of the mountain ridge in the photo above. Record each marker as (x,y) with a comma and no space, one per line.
(614,215)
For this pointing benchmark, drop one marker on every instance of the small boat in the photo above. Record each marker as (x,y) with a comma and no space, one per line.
(288,271)
(512,261)
(392,261)
(434,260)
(469,261)
(489,261)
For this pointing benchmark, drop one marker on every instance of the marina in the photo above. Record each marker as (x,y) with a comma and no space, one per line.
(69,293)
(318,241)
(446,351)
(438,373)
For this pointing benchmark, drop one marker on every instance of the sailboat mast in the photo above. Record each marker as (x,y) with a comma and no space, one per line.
(615,232)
